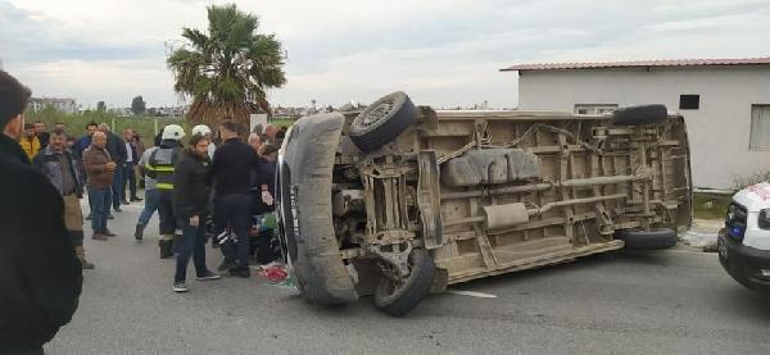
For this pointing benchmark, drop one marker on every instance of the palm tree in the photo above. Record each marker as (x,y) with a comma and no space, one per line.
(227,71)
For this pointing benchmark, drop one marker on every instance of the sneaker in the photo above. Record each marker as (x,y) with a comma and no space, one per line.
(125,202)
(136,199)
(99,236)
(179,287)
(85,265)
(208,276)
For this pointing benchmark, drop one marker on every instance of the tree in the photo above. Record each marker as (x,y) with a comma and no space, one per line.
(227,70)
(101,106)
(138,106)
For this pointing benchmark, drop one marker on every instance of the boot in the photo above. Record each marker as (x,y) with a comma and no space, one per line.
(139,233)
(165,249)
(240,270)
(81,254)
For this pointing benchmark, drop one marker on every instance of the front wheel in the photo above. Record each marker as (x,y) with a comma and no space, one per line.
(397,296)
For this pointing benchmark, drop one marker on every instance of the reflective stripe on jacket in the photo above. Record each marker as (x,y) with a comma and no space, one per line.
(161,166)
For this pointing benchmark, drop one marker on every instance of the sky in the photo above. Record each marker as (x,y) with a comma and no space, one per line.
(444,53)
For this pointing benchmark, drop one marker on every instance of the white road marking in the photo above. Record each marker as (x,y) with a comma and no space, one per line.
(472,294)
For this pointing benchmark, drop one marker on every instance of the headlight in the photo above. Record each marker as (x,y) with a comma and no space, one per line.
(764,219)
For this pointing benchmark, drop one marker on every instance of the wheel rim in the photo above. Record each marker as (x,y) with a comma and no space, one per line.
(393,282)
(378,113)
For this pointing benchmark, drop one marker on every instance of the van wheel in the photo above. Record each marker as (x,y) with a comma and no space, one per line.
(399,297)
(639,115)
(382,121)
(656,238)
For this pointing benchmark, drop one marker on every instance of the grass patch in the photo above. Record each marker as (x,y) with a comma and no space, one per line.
(710,206)
(283,122)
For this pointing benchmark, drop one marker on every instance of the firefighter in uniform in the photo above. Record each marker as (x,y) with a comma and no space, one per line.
(160,167)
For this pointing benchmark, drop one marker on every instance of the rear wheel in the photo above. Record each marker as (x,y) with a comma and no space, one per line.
(382,122)
(397,296)
(654,239)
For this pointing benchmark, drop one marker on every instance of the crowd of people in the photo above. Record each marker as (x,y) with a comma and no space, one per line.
(202,187)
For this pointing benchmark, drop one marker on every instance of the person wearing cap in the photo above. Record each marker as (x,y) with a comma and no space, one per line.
(161,167)
(30,144)
(205,131)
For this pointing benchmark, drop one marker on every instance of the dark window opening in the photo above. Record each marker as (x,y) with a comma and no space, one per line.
(689,102)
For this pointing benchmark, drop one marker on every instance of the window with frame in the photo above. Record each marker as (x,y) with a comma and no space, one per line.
(760,127)
(594,109)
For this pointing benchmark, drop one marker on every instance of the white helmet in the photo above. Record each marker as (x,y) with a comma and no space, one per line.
(201,129)
(173,132)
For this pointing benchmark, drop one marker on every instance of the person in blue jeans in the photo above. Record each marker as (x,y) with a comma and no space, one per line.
(151,194)
(117,148)
(191,199)
(100,169)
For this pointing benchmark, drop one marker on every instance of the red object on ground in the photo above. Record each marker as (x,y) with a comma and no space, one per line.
(274,274)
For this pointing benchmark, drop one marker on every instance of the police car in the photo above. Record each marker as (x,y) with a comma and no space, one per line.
(744,243)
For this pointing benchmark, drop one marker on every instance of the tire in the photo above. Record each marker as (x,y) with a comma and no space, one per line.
(304,198)
(382,121)
(655,239)
(640,115)
(400,301)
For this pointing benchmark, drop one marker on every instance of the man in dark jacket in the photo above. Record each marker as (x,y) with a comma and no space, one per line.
(40,278)
(234,162)
(191,203)
(61,167)
(117,148)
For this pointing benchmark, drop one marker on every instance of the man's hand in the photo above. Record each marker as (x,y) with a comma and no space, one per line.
(111,166)
(194,221)
(267,198)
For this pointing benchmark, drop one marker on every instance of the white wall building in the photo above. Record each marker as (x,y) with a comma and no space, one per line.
(68,106)
(725,102)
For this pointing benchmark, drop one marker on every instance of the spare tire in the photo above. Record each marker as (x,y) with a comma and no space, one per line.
(382,121)
(655,239)
(640,115)
(398,300)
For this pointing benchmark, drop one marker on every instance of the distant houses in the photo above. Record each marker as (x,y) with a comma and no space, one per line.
(68,106)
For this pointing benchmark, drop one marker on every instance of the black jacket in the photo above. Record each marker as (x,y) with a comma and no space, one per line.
(40,278)
(191,186)
(234,162)
(117,148)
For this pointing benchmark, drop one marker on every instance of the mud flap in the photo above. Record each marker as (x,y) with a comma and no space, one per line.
(305,183)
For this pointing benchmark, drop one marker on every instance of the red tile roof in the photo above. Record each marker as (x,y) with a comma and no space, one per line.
(640,63)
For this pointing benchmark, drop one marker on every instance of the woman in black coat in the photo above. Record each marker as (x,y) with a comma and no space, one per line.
(191,199)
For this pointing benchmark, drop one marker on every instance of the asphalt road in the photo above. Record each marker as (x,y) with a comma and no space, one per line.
(671,302)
